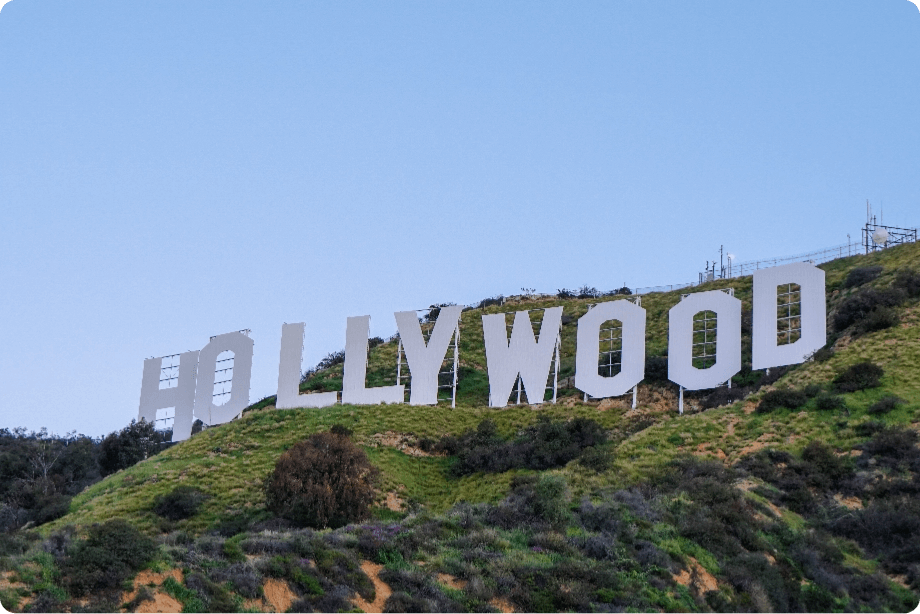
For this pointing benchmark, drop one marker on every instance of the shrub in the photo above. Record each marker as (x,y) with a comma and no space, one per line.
(861,275)
(323,481)
(885,405)
(829,402)
(824,354)
(825,467)
(190,600)
(892,446)
(909,281)
(179,503)
(656,369)
(543,445)
(16,543)
(58,542)
(232,525)
(879,318)
(331,360)
(50,507)
(886,528)
(857,308)
(338,429)
(296,570)
(337,599)
(435,310)
(598,458)
(111,553)
(143,594)
(241,576)
(534,502)
(724,396)
(812,390)
(216,597)
(414,591)
(565,293)
(498,299)
(867,429)
(860,376)
(785,397)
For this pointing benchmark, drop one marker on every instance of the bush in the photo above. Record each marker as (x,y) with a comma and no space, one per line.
(332,359)
(190,600)
(181,502)
(230,526)
(323,481)
(544,445)
(298,571)
(656,369)
(909,281)
(887,529)
(885,405)
(724,396)
(241,576)
(551,498)
(498,299)
(50,507)
(785,397)
(879,318)
(15,543)
(867,429)
(861,275)
(829,402)
(860,376)
(598,458)
(339,429)
(856,309)
(824,354)
(215,597)
(823,465)
(892,447)
(533,501)
(111,553)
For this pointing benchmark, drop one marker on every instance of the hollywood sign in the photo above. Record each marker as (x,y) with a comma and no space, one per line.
(523,355)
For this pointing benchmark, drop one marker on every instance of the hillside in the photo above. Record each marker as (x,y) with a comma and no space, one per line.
(724,508)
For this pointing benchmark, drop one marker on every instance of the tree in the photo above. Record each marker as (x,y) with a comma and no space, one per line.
(131,445)
(322,481)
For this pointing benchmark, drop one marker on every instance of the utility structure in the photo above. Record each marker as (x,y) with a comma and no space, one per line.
(877,236)
(722,271)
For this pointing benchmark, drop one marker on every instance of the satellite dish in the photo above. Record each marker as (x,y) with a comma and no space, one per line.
(880,236)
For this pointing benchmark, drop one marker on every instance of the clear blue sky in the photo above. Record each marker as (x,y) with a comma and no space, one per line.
(175,170)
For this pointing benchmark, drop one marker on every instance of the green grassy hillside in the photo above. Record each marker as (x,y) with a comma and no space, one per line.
(711,510)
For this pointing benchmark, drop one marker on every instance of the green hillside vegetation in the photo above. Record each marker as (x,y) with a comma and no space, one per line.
(806,499)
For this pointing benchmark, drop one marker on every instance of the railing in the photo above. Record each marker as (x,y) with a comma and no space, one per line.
(816,257)
(743,269)
(650,289)
(729,271)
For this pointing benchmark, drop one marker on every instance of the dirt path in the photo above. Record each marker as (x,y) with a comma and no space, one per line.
(381,590)
(161,603)
(697,577)
(278,594)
